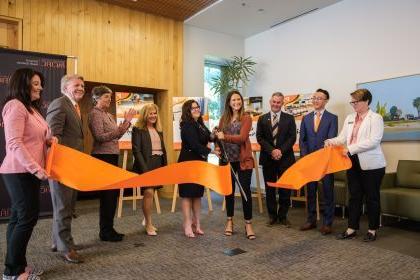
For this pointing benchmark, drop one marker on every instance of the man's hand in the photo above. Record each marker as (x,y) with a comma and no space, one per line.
(276,154)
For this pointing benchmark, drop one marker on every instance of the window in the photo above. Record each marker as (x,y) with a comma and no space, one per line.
(215,106)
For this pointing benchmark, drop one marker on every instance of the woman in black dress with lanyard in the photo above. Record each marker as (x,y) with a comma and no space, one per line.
(195,136)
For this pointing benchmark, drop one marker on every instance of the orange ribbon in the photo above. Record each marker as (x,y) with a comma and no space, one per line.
(85,173)
(313,167)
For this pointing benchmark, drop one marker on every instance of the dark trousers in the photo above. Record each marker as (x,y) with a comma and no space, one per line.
(364,183)
(23,189)
(107,199)
(328,199)
(272,174)
(244,177)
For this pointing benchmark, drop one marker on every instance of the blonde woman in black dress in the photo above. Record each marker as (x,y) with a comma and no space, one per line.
(149,153)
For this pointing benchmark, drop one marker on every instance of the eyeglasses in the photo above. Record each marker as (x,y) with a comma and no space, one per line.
(354,102)
(195,108)
(317,98)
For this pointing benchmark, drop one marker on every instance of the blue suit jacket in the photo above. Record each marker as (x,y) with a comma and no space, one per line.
(311,141)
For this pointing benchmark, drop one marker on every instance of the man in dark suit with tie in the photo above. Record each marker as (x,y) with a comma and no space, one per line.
(315,128)
(64,119)
(276,134)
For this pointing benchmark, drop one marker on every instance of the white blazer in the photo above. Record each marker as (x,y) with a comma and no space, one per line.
(368,142)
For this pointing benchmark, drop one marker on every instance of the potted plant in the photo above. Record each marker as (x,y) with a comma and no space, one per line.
(236,73)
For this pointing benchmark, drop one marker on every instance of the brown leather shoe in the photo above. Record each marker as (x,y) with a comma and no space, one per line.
(325,230)
(308,226)
(72,257)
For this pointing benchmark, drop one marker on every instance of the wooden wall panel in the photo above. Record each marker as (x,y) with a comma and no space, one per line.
(114,44)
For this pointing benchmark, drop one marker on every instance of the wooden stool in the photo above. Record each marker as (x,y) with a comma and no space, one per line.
(176,194)
(136,194)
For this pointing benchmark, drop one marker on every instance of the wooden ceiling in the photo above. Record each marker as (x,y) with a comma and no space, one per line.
(174,9)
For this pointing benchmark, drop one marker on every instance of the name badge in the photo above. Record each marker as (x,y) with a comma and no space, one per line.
(350,122)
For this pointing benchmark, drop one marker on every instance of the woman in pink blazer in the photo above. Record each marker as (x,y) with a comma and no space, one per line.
(27,136)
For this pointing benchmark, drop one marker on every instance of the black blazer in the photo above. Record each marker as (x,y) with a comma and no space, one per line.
(286,138)
(195,138)
(142,149)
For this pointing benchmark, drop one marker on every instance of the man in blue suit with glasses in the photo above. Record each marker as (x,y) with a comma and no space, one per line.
(315,128)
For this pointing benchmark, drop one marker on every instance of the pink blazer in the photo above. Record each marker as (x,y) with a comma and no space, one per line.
(25,136)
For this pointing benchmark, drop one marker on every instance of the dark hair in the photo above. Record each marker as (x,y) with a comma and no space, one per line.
(362,95)
(228,112)
(324,92)
(186,112)
(98,91)
(20,87)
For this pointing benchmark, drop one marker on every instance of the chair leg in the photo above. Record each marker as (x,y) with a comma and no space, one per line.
(224,204)
(157,203)
(174,196)
(343,211)
(208,193)
(120,203)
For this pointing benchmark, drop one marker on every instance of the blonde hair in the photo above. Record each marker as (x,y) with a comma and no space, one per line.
(144,113)
(67,78)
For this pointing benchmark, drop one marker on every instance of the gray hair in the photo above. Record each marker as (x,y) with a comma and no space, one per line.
(278,94)
(98,91)
(67,78)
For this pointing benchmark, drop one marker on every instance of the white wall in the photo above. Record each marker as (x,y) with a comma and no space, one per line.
(337,47)
(199,43)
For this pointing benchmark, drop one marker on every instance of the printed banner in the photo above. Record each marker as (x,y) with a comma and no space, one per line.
(125,101)
(253,106)
(52,67)
(298,105)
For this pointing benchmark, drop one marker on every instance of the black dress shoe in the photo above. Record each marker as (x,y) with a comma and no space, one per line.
(53,248)
(117,233)
(285,222)
(271,222)
(369,237)
(344,235)
(111,237)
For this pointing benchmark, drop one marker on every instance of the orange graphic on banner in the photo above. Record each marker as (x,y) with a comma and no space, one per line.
(85,173)
(313,167)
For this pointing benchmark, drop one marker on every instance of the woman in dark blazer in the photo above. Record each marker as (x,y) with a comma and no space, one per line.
(149,153)
(195,136)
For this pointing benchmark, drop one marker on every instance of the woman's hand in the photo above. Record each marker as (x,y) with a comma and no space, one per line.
(220,135)
(345,152)
(216,151)
(51,140)
(128,115)
(328,143)
(41,174)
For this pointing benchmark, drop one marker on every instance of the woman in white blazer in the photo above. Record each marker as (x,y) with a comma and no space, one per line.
(362,134)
